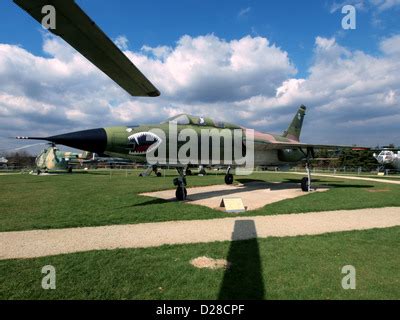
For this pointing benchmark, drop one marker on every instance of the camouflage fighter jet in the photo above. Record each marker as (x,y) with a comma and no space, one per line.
(135,142)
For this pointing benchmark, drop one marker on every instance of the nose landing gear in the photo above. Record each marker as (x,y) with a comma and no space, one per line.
(180,183)
(306,181)
(228,177)
(305,184)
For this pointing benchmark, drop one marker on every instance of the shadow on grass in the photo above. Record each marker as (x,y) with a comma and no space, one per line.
(334,184)
(154,201)
(246,187)
(250,180)
(243,279)
(91,173)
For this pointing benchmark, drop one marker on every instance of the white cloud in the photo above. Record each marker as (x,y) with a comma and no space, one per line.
(122,42)
(391,46)
(349,88)
(352,96)
(337,6)
(364,5)
(160,52)
(385,4)
(209,69)
(244,12)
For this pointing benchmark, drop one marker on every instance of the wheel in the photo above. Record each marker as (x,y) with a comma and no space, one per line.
(181,193)
(69,169)
(304,184)
(188,172)
(229,178)
(202,172)
(158,174)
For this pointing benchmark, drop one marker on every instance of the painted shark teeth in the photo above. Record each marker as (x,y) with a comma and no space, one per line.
(144,142)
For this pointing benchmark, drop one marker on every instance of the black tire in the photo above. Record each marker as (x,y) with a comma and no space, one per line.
(181,193)
(304,184)
(188,172)
(229,179)
(203,172)
(158,174)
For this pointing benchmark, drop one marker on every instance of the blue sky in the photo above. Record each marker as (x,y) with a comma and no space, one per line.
(251,62)
(291,25)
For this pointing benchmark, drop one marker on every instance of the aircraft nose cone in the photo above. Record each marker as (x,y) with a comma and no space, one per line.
(94,140)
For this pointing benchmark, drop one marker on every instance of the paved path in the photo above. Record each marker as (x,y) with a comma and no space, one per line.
(38,243)
(253,194)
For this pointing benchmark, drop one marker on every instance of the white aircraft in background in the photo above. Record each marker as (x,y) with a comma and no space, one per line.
(389,158)
(3,162)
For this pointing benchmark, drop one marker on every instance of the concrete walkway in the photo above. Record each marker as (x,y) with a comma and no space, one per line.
(254,195)
(39,243)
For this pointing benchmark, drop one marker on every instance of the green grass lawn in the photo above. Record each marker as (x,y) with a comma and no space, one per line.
(307,267)
(98,198)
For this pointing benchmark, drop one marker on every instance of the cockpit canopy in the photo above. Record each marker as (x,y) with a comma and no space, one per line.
(185,119)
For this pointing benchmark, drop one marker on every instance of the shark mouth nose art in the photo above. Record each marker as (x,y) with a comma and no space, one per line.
(143,142)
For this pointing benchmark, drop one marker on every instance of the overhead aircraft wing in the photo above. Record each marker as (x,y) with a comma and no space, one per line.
(76,28)
(286,145)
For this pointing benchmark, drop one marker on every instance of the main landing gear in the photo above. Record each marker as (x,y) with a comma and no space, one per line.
(180,183)
(228,177)
(306,181)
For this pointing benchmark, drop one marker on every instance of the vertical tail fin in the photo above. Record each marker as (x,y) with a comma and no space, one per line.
(294,130)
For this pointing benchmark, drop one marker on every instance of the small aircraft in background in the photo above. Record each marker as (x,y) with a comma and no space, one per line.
(389,158)
(52,159)
(3,162)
